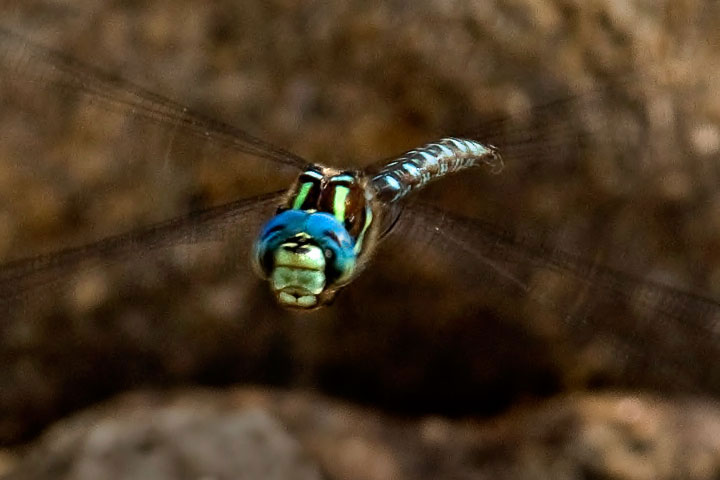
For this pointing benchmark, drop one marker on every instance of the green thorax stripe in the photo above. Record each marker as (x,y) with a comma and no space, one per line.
(302,195)
(361,237)
(341,194)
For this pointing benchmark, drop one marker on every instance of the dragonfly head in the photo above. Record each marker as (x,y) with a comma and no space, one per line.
(306,257)
(312,247)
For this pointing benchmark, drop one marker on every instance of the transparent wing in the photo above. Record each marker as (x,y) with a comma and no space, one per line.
(588,241)
(83,143)
(85,149)
(639,332)
(28,62)
(561,125)
(237,221)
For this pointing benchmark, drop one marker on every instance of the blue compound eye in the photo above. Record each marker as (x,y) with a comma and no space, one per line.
(274,229)
(333,236)
(318,228)
(273,234)
(338,246)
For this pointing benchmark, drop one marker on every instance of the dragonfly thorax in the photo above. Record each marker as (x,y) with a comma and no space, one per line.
(317,239)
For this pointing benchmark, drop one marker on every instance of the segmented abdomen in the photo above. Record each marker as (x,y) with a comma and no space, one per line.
(416,168)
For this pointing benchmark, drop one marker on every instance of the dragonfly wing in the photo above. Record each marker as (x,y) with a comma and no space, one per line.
(239,221)
(560,127)
(638,332)
(85,148)
(608,177)
(26,62)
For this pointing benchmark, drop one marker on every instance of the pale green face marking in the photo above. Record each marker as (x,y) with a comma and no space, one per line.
(299,276)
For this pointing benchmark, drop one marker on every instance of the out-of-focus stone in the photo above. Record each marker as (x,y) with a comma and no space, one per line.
(8,461)
(258,434)
(145,436)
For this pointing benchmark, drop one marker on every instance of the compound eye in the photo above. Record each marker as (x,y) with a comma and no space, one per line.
(332,235)
(345,199)
(270,231)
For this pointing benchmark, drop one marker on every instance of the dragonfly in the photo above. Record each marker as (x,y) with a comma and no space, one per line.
(331,229)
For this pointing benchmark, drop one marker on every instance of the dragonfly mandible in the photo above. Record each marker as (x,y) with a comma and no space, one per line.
(678,326)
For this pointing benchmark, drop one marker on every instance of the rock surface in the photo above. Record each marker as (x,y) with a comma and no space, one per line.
(256,434)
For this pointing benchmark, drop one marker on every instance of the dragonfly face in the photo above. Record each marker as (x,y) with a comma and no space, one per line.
(315,243)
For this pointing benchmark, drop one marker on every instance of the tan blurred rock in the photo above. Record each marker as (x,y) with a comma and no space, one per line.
(258,434)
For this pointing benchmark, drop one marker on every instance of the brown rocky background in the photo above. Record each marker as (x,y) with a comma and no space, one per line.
(430,365)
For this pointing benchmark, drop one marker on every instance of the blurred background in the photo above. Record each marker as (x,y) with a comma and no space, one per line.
(456,355)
